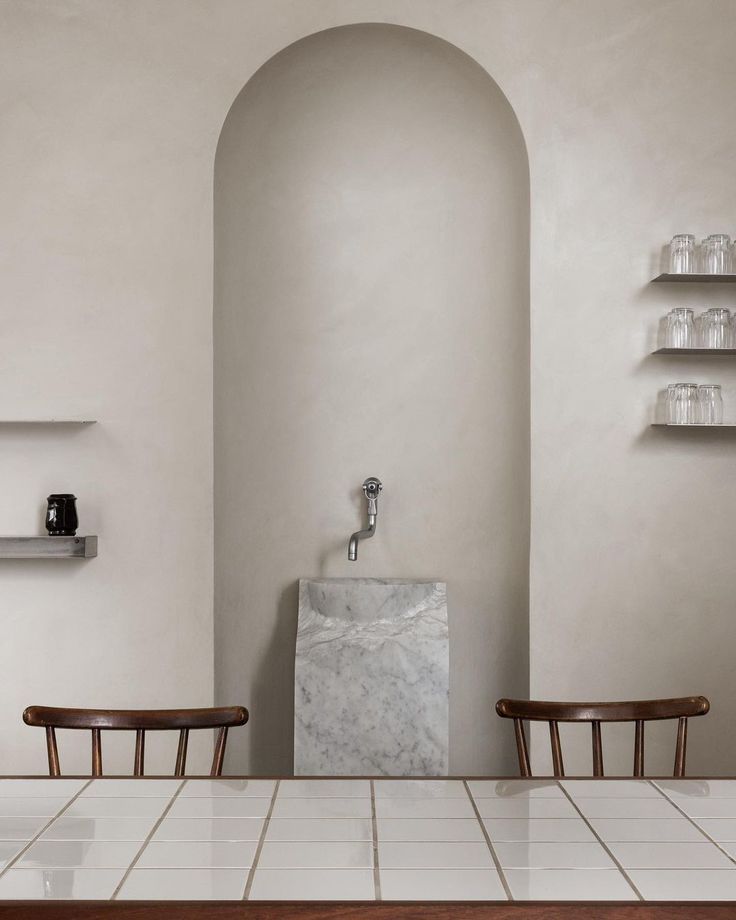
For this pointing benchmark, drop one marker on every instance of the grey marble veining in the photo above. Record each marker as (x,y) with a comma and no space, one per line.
(372,677)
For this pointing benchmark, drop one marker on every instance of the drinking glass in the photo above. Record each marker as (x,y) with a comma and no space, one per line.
(682,258)
(710,404)
(680,332)
(716,330)
(716,254)
(686,404)
(670,402)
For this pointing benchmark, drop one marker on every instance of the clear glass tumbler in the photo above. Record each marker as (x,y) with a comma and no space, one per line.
(670,403)
(716,254)
(682,253)
(716,330)
(680,331)
(686,404)
(710,404)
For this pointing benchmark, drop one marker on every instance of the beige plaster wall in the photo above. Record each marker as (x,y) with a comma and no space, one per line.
(111,114)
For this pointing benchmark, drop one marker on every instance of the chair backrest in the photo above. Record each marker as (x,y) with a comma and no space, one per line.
(140,721)
(637,711)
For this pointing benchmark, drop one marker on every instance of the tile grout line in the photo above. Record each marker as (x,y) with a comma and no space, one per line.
(600,840)
(261,840)
(693,822)
(489,843)
(145,843)
(43,830)
(374,832)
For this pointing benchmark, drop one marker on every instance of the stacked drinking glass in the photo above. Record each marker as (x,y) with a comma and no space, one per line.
(690,404)
(715,256)
(715,328)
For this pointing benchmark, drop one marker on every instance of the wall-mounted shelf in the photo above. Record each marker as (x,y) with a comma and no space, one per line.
(48,547)
(48,421)
(690,277)
(698,426)
(681,352)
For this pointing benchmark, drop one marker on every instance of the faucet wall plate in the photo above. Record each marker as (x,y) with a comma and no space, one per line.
(371,489)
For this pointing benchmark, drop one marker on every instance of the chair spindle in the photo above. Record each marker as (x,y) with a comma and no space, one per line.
(181,753)
(96,752)
(680,749)
(219,758)
(53,751)
(554,734)
(639,748)
(140,751)
(521,748)
(597,749)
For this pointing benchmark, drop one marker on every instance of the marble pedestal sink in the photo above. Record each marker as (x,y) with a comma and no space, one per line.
(372,678)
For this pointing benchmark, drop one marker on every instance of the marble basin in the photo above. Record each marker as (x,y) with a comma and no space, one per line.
(372,677)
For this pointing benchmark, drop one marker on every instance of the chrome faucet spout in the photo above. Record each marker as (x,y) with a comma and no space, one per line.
(371,490)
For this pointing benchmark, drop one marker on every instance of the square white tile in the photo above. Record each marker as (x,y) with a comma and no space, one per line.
(79,854)
(685,884)
(332,807)
(184,885)
(708,808)
(515,788)
(609,788)
(420,829)
(65,828)
(441,885)
(135,788)
(435,856)
(59,884)
(324,788)
(669,855)
(312,885)
(320,829)
(207,788)
(201,854)
(720,829)
(60,788)
(569,885)
(597,807)
(698,788)
(419,789)
(532,855)
(525,808)
(538,829)
(646,829)
(220,807)
(209,829)
(316,855)
(424,808)
(32,806)
(98,807)
(9,849)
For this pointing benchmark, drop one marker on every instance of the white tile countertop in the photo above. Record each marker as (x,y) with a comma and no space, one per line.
(368,840)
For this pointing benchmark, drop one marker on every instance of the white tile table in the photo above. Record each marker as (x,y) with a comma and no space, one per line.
(255,847)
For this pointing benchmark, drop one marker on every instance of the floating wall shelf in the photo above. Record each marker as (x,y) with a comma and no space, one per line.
(47,421)
(685,427)
(691,277)
(682,352)
(48,547)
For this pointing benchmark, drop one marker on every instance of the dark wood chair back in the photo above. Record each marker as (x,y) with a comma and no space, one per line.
(140,721)
(637,711)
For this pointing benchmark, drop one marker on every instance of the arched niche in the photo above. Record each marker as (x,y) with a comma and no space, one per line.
(371,317)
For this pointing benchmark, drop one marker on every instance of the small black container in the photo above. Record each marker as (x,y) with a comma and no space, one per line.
(61,515)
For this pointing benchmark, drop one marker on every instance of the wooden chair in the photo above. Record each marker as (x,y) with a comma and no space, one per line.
(638,711)
(140,721)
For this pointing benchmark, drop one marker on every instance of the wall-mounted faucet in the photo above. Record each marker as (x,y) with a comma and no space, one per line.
(371,490)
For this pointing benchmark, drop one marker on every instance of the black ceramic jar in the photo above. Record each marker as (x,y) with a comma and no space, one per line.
(61,515)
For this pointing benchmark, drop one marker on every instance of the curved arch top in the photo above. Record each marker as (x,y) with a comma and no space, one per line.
(371,316)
